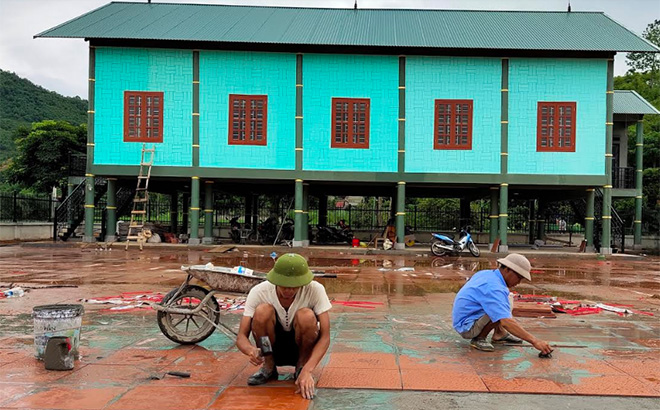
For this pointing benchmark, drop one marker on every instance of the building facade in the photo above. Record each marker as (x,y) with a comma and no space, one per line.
(314,101)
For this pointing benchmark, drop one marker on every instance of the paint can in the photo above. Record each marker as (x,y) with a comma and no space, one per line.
(356,242)
(56,320)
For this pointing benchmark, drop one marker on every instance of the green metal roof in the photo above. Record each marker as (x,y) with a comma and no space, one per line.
(629,102)
(448,29)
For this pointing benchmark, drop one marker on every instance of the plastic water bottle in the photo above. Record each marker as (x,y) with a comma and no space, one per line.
(16,292)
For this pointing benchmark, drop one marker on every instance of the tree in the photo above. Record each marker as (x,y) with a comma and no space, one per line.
(43,152)
(647,62)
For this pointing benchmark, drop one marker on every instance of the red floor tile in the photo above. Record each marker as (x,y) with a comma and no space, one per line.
(102,374)
(68,398)
(166,398)
(638,367)
(362,360)
(497,384)
(215,370)
(416,379)
(30,370)
(614,386)
(145,358)
(454,364)
(265,398)
(11,355)
(10,392)
(351,378)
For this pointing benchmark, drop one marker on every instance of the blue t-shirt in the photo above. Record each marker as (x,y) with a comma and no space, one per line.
(485,293)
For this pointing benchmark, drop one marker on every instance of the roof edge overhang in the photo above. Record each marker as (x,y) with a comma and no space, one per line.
(345,49)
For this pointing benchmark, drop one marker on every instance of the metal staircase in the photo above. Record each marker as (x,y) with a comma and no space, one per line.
(71,212)
(141,198)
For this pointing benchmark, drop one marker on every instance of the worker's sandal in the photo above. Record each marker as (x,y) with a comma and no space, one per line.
(509,338)
(481,344)
(262,376)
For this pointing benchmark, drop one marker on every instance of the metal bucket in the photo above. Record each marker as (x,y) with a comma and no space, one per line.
(57,320)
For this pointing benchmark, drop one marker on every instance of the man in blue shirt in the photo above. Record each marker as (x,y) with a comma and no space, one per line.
(483,305)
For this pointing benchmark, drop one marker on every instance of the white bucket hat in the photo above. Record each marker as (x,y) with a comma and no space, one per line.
(518,264)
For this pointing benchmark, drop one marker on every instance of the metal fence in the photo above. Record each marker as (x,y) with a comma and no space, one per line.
(15,207)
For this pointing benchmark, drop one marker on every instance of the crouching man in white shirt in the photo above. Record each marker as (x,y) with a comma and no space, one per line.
(292,310)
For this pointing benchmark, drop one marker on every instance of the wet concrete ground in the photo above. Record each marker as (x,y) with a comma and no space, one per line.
(398,352)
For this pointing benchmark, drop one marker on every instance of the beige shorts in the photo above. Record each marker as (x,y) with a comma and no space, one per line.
(477,327)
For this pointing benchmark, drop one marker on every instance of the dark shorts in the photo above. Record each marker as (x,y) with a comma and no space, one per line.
(285,349)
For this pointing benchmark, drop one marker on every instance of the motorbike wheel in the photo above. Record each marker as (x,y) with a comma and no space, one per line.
(472,247)
(437,250)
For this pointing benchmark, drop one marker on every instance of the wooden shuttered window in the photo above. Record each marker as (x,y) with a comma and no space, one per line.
(350,123)
(453,124)
(556,127)
(248,119)
(143,116)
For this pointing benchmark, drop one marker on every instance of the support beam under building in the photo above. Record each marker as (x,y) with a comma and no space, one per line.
(298,214)
(208,212)
(111,209)
(639,176)
(194,212)
(504,217)
(400,216)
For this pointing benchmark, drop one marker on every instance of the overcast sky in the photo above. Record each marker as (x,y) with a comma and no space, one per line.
(61,64)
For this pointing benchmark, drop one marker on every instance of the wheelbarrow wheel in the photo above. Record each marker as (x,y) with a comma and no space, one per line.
(188,329)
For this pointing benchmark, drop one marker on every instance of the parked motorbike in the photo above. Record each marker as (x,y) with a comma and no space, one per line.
(235,230)
(329,234)
(442,245)
(287,232)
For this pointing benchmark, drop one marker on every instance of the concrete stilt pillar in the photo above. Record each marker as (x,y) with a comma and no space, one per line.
(298,215)
(400,216)
(194,212)
(111,209)
(504,217)
(90,193)
(639,174)
(208,212)
(305,215)
(589,221)
(606,224)
(494,215)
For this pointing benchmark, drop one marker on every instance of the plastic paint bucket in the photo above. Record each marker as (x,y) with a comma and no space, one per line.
(356,242)
(57,320)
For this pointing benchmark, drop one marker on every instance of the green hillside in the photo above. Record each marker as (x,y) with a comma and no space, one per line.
(22,103)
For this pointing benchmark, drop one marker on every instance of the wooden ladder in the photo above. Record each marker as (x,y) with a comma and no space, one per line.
(139,212)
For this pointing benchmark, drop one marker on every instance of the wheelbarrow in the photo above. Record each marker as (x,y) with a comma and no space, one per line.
(190,313)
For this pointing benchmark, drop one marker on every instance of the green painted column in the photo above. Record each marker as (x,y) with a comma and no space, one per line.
(494,215)
(589,220)
(402,116)
(305,214)
(298,215)
(400,216)
(504,217)
(194,212)
(90,192)
(174,212)
(606,234)
(639,176)
(299,112)
(111,209)
(208,212)
(195,110)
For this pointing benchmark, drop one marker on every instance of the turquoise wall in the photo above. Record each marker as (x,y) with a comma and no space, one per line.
(131,69)
(373,77)
(580,80)
(224,73)
(431,78)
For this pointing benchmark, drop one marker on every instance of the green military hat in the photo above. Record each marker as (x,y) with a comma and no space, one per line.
(290,271)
